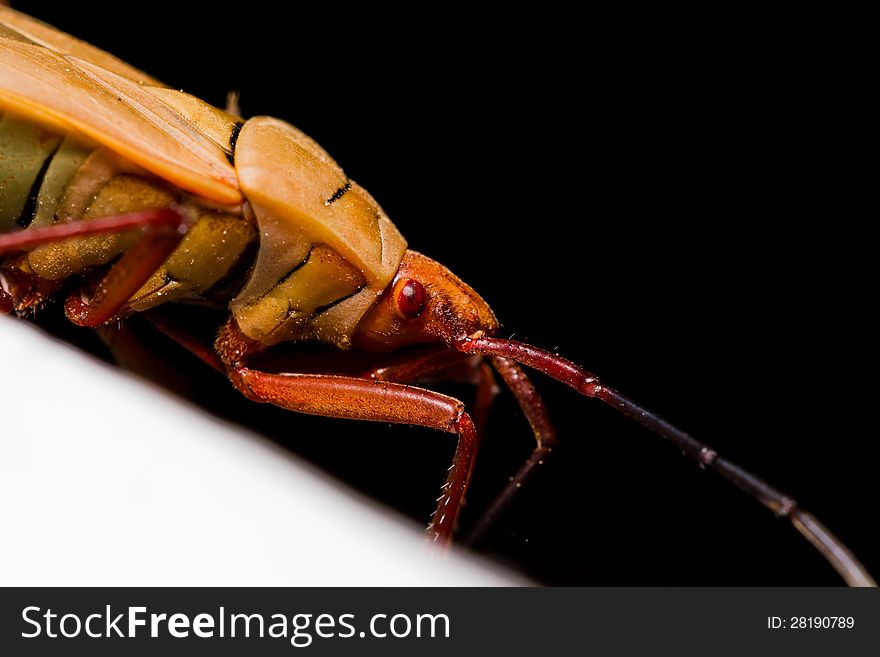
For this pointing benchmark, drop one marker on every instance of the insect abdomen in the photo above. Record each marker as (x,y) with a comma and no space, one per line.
(46,177)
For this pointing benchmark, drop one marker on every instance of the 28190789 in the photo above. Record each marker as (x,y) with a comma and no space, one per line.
(558,300)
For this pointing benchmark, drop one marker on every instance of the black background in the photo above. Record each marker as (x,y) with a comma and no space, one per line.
(669,208)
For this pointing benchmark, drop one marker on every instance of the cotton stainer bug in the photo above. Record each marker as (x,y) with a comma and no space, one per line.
(329,197)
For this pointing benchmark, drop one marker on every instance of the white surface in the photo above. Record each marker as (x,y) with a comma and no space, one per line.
(154,493)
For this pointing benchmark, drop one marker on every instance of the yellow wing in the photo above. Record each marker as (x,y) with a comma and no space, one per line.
(67,85)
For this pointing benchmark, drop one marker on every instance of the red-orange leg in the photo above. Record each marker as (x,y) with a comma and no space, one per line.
(446,366)
(163,229)
(375,395)
(130,272)
(6,303)
(481,376)
(378,401)
(533,408)
(186,340)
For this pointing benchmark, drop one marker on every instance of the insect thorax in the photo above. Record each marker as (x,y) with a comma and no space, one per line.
(327,250)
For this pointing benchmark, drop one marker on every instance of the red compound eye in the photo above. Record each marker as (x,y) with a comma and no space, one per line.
(411,298)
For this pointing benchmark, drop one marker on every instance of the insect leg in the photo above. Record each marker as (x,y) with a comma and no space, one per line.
(471,370)
(163,229)
(375,395)
(532,406)
(479,373)
(445,365)
(6,303)
(130,272)
(361,399)
(421,366)
(185,339)
(28,238)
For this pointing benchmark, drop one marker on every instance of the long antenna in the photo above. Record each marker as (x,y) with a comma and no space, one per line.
(831,547)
